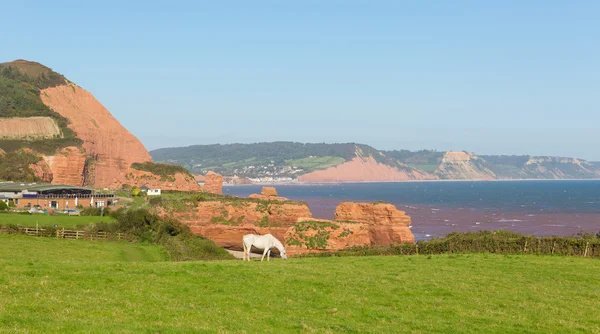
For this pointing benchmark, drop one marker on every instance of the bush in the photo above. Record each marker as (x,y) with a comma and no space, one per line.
(180,243)
(498,242)
(94,212)
(164,170)
(3,206)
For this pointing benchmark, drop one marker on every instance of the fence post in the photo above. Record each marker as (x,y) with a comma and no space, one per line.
(553,246)
(417,246)
(587,247)
(76,235)
(525,249)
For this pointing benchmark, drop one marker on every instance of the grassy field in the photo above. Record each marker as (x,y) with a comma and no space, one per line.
(316,163)
(47,220)
(49,285)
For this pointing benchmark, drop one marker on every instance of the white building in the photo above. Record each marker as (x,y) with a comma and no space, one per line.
(154,192)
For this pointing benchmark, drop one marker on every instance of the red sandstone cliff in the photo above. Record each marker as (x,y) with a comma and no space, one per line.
(355,224)
(108,147)
(363,170)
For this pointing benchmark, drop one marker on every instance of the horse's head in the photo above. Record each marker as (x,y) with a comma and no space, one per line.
(283,254)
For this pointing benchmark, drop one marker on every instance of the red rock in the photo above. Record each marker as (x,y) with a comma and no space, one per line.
(230,237)
(244,212)
(104,138)
(67,166)
(213,183)
(269,192)
(371,213)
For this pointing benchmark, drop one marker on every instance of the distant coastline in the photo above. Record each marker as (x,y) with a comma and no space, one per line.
(300,183)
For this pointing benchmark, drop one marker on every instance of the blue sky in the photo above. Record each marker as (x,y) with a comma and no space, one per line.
(513,77)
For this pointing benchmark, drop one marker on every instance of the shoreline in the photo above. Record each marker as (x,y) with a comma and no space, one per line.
(300,183)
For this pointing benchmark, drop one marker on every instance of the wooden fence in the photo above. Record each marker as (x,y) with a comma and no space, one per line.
(65,234)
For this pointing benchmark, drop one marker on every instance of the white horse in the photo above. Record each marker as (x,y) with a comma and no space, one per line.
(265,242)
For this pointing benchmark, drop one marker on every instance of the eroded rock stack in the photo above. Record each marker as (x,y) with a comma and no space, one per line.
(213,183)
(355,224)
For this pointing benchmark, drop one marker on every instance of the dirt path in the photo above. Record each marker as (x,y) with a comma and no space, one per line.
(240,255)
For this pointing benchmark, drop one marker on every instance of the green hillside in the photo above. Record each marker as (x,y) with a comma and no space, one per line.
(21,83)
(290,159)
(282,159)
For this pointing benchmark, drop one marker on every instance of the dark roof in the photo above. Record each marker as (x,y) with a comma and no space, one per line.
(36,187)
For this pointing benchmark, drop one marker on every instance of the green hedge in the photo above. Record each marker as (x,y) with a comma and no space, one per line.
(497,242)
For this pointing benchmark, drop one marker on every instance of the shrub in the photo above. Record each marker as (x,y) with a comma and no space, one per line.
(94,212)
(3,206)
(180,243)
(164,170)
(498,242)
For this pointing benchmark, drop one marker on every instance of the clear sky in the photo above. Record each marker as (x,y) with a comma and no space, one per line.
(513,77)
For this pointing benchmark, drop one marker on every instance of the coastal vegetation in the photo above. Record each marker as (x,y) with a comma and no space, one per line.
(492,242)
(162,170)
(145,293)
(15,166)
(21,83)
(281,158)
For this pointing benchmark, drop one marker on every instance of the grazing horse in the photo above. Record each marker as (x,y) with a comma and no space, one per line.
(265,242)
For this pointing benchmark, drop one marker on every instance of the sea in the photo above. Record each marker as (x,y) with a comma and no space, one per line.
(437,208)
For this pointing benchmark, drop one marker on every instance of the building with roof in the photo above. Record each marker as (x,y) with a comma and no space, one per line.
(52,196)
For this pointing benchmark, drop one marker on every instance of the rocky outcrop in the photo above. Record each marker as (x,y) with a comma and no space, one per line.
(66,167)
(268,194)
(42,171)
(226,221)
(213,183)
(364,169)
(371,213)
(179,181)
(355,224)
(230,237)
(243,211)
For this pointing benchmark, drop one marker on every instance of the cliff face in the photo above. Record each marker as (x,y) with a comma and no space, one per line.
(464,166)
(227,222)
(112,148)
(66,166)
(365,169)
(355,224)
(558,168)
(179,181)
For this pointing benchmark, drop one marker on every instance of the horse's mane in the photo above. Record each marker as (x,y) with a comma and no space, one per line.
(278,243)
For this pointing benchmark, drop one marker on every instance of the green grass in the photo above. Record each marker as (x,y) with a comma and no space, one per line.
(49,285)
(47,220)
(316,163)
(425,167)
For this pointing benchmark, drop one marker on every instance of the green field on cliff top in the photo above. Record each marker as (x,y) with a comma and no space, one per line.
(52,285)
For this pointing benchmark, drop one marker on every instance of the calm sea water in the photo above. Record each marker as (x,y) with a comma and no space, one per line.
(438,208)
